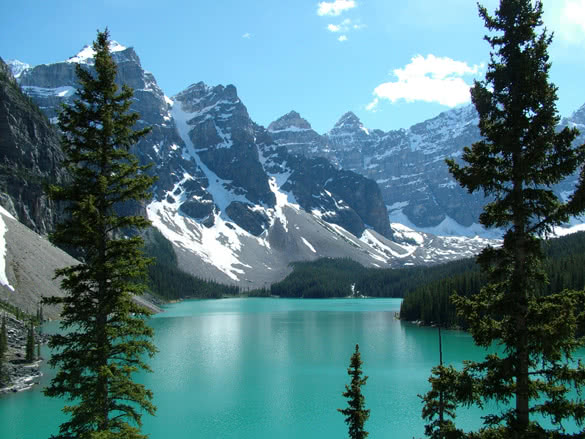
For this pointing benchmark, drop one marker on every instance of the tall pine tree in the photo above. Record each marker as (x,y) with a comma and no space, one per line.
(3,351)
(30,344)
(518,162)
(105,336)
(356,413)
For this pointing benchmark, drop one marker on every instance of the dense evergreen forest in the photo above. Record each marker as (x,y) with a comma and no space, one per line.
(430,302)
(342,278)
(168,282)
(426,290)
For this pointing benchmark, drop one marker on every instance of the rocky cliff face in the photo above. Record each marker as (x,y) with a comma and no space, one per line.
(29,157)
(296,134)
(408,165)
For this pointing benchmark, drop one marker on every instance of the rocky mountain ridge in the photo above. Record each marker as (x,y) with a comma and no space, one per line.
(408,164)
(237,205)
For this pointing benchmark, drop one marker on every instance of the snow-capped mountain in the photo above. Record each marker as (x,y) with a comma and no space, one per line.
(237,200)
(409,165)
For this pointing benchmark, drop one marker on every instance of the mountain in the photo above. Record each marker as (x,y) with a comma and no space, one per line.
(237,205)
(27,266)
(297,135)
(408,164)
(30,154)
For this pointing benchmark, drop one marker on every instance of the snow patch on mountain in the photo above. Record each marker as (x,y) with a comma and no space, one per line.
(385,253)
(86,55)
(568,230)
(61,92)
(447,227)
(17,67)
(308,244)
(405,234)
(218,245)
(3,230)
(217,186)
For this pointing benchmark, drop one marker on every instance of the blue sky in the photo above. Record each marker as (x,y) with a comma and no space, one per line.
(393,63)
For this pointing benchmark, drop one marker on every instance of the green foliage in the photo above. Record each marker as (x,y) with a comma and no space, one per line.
(439,404)
(334,278)
(322,278)
(431,303)
(18,313)
(104,338)
(167,281)
(3,336)
(356,413)
(516,164)
(3,350)
(30,344)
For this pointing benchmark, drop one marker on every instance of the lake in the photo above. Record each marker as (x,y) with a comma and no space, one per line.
(273,368)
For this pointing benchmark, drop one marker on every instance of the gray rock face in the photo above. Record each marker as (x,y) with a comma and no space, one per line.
(245,216)
(408,165)
(296,134)
(29,157)
(223,136)
(227,142)
(51,85)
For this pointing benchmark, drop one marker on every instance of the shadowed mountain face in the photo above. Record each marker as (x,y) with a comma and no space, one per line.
(29,157)
(408,165)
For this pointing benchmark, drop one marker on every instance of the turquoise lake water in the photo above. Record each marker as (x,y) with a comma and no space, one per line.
(273,368)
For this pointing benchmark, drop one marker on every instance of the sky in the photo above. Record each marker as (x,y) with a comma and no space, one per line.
(393,63)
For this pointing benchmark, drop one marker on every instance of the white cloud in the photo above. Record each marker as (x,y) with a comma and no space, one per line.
(247,36)
(430,79)
(372,105)
(342,38)
(344,26)
(572,22)
(566,18)
(335,8)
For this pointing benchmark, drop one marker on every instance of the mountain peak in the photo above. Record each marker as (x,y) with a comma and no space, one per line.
(291,120)
(200,93)
(17,67)
(87,53)
(578,116)
(349,122)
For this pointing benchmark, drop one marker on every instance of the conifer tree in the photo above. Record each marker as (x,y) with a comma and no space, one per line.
(440,404)
(3,349)
(519,160)
(30,344)
(356,413)
(3,335)
(105,337)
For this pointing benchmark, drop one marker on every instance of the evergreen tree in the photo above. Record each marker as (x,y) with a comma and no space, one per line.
(355,414)
(516,165)
(3,350)
(440,404)
(3,336)
(30,344)
(105,337)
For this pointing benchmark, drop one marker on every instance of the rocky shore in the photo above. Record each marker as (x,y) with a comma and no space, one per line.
(19,374)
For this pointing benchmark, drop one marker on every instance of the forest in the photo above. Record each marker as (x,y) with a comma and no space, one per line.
(168,282)
(426,289)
